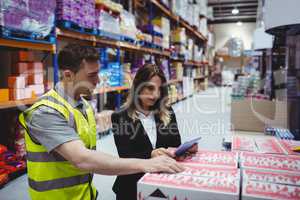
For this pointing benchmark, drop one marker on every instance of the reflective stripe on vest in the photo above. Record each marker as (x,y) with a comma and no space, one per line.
(50,175)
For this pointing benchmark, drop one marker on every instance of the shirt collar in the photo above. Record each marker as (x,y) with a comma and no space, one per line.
(140,114)
(74,103)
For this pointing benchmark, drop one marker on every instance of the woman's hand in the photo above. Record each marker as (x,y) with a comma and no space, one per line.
(162,152)
(192,150)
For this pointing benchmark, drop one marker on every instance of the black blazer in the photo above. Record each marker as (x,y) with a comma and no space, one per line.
(133,142)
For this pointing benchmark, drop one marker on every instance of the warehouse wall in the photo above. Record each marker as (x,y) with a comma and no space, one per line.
(225,31)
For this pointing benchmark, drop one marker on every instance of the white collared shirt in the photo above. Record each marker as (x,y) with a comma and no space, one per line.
(148,122)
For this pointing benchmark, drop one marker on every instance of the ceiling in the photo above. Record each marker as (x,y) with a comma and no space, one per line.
(222,10)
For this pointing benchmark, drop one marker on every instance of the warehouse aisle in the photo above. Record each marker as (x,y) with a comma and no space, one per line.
(206,114)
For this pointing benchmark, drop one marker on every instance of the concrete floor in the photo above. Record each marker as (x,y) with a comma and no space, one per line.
(206,114)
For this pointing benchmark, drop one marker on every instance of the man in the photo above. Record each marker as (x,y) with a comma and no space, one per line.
(61,135)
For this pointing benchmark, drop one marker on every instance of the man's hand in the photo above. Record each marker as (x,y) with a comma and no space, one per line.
(161,164)
(162,152)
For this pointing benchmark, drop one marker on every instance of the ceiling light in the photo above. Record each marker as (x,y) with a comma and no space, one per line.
(235,11)
(239,23)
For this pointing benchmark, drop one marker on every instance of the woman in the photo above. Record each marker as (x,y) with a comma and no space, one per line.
(145,127)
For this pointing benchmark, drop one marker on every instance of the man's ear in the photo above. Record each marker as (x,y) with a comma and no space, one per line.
(68,75)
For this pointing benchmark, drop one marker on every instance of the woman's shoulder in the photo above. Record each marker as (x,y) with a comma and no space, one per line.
(120,114)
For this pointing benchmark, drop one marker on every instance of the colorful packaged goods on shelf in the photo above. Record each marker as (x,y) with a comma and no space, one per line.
(285,163)
(111,5)
(81,13)
(181,187)
(165,26)
(127,25)
(178,35)
(107,22)
(32,16)
(213,158)
(113,74)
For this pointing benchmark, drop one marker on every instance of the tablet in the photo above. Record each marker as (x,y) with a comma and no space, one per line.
(182,149)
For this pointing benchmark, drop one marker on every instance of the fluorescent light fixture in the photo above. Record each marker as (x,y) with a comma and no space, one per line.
(235,11)
(239,23)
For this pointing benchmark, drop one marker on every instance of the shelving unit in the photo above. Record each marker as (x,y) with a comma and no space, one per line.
(179,20)
(27,45)
(13,104)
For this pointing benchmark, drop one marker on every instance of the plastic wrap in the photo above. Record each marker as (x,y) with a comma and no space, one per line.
(128,25)
(79,12)
(28,15)
(235,47)
(106,22)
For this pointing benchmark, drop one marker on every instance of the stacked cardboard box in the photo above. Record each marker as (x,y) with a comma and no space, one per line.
(203,178)
(165,26)
(269,145)
(279,163)
(263,185)
(214,158)
(289,145)
(27,80)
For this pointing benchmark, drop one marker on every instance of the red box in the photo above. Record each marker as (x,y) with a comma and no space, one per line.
(180,187)
(289,145)
(36,67)
(16,82)
(284,163)
(206,171)
(256,190)
(269,145)
(23,56)
(37,78)
(213,158)
(243,144)
(272,177)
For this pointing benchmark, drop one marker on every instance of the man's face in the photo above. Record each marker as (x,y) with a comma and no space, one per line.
(86,79)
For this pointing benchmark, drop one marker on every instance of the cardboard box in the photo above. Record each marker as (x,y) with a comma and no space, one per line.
(255,190)
(289,145)
(4,95)
(240,143)
(16,82)
(37,89)
(281,163)
(36,79)
(255,115)
(36,67)
(16,94)
(269,145)
(175,186)
(213,158)
(272,177)
(23,56)
(21,68)
(205,171)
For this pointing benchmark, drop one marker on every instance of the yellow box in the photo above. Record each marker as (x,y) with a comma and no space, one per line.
(4,95)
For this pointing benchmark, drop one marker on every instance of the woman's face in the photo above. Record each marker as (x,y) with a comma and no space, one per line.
(151,92)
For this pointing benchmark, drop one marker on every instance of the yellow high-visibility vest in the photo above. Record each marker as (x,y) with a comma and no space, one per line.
(50,176)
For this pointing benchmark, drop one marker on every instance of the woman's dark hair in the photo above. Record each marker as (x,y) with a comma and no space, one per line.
(72,55)
(144,75)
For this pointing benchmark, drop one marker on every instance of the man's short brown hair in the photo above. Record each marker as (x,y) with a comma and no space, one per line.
(72,55)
